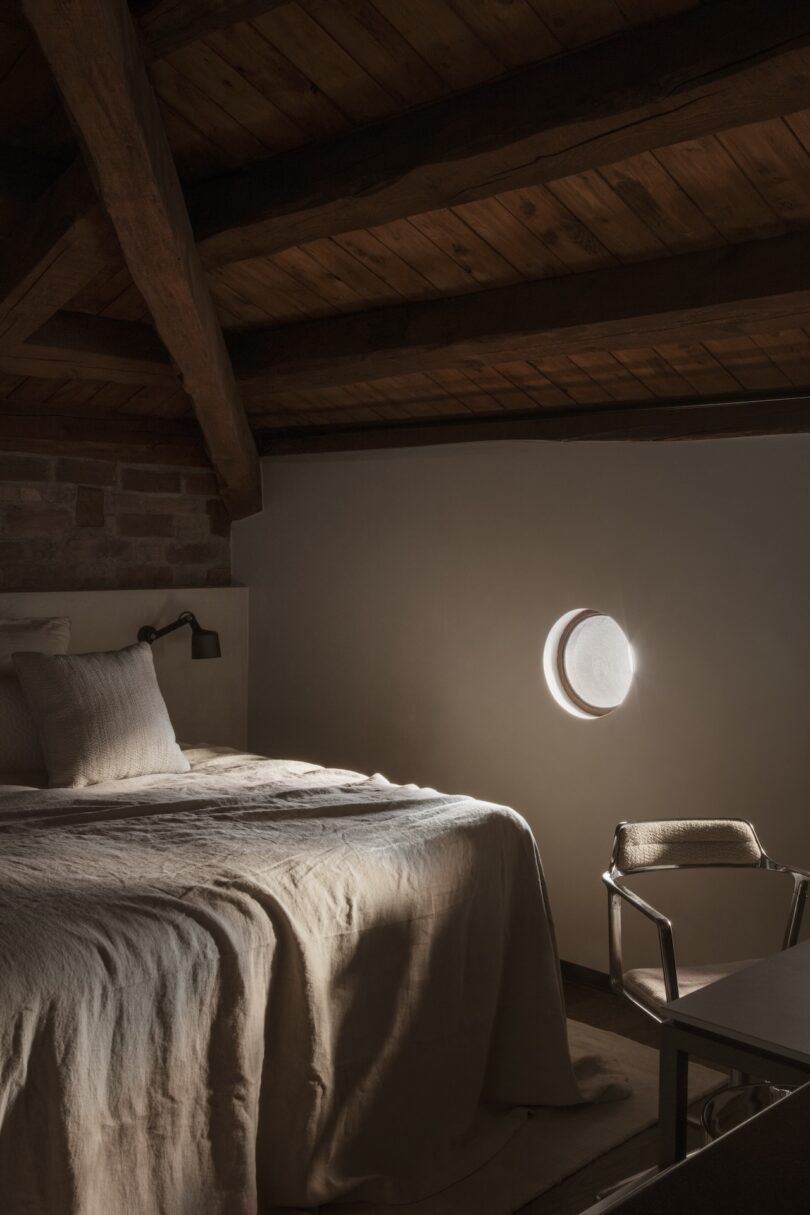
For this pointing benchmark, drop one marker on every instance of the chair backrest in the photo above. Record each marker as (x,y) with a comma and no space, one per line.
(691,842)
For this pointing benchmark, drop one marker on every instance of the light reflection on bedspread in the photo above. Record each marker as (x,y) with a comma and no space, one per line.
(266,983)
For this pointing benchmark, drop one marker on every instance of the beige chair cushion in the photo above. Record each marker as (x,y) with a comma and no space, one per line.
(648,984)
(100,716)
(686,841)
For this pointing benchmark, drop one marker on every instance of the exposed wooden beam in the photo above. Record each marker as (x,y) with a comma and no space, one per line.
(73,345)
(659,421)
(712,294)
(150,440)
(94,53)
(67,239)
(713,67)
(169,24)
(64,241)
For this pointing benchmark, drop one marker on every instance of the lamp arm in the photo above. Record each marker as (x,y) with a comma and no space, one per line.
(151,634)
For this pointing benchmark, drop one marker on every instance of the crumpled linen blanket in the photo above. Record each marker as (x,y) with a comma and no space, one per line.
(266,983)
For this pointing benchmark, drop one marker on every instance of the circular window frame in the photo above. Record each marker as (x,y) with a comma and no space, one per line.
(565,683)
(557,680)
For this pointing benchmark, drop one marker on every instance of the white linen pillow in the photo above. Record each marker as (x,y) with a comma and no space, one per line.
(99,716)
(49,635)
(19,746)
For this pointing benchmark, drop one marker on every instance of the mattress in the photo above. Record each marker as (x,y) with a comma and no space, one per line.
(266,983)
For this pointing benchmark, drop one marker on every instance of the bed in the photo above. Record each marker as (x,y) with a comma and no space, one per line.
(264,983)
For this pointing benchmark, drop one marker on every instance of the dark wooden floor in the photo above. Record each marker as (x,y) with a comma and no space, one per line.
(606,1011)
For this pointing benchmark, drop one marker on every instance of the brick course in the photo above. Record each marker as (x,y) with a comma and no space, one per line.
(76,524)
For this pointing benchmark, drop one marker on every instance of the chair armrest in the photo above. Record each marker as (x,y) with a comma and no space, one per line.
(791,869)
(665,942)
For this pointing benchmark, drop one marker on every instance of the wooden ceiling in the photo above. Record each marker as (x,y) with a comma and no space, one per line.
(412,221)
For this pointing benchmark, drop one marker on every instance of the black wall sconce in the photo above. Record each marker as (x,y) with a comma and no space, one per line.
(204,642)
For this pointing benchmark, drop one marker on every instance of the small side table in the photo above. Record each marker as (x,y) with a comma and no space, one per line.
(754,1021)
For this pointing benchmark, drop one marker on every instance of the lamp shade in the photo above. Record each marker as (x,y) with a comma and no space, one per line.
(205,644)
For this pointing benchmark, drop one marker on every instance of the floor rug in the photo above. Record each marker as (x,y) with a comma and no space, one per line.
(554,1143)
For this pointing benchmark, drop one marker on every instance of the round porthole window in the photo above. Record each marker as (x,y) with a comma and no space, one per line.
(588,663)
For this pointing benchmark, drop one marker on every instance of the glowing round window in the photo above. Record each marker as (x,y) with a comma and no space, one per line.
(588,663)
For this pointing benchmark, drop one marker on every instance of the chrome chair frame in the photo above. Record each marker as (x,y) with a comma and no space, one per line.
(619,894)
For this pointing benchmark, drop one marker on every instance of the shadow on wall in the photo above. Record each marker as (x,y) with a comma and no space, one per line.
(401,601)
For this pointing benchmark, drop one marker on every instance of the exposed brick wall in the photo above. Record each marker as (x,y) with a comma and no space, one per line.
(74,524)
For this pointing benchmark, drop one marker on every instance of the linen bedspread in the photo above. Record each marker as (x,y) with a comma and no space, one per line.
(267,983)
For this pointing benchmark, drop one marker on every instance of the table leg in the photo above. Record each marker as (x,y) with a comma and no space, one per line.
(672,1099)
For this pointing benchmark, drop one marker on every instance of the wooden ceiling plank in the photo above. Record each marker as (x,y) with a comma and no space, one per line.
(235,309)
(506,391)
(304,266)
(713,180)
(648,367)
(644,185)
(340,264)
(699,368)
(379,48)
(510,237)
(777,164)
(514,32)
(575,25)
(575,245)
(705,70)
(614,224)
(34,389)
(538,386)
(415,394)
(195,155)
(385,263)
(482,264)
(790,350)
(280,81)
(307,45)
(170,24)
(237,97)
(94,53)
(441,270)
(443,40)
(711,294)
(614,376)
(571,379)
(199,110)
(458,384)
(749,364)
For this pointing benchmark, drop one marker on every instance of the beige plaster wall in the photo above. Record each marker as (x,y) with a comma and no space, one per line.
(399,606)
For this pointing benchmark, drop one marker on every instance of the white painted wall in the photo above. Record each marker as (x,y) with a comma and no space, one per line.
(399,605)
(207,700)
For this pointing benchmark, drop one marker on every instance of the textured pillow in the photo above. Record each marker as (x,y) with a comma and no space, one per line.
(99,716)
(50,635)
(19,746)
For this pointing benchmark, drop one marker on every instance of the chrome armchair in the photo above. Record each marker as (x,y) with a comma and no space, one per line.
(682,844)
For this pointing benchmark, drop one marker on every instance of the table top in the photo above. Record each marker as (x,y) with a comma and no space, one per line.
(766,1005)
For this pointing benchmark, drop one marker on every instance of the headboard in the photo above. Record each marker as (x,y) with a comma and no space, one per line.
(207,700)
